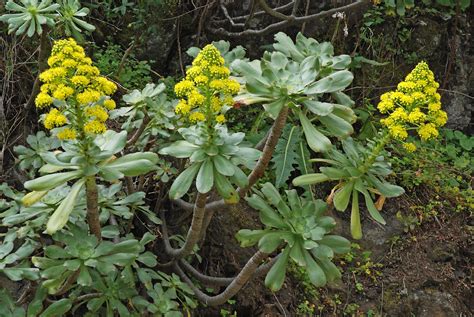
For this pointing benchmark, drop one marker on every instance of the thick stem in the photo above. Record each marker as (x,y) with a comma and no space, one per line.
(205,224)
(92,207)
(235,286)
(268,150)
(194,231)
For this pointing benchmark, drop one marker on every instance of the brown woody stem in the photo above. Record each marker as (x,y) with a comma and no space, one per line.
(268,150)
(235,286)
(194,231)
(92,207)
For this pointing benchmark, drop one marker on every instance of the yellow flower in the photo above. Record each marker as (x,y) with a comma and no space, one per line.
(406,86)
(418,96)
(54,119)
(398,132)
(66,134)
(440,118)
(195,99)
(43,100)
(201,80)
(208,56)
(228,100)
(197,116)
(53,60)
(80,80)
(385,105)
(416,116)
(182,107)
(69,63)
(97,112)
(428,131)
(62,92)
(219,71)
(192,72)
(88,96)
(386,96)
(105,85)
(435,106)
(220,118)
(216,104)
(94,127)
(399,115)
(48,88)
(87,70)
(109,104)
(233,86)
(410,147)
(184,87)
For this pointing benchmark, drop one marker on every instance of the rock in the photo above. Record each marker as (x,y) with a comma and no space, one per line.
(428,303)
(456,100)
(376,236)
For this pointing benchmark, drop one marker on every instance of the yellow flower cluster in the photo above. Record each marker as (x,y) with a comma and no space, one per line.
(207,89)
(73,80)
(414,105)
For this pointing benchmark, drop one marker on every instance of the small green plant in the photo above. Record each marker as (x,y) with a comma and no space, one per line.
(130,72)
(305,308)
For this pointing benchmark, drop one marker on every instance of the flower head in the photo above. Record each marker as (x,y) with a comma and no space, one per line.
(207,88)
(73,80)
(415,104)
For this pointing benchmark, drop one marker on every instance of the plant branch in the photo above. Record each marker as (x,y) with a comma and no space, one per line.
(265,7)
(278,9)
(235,286)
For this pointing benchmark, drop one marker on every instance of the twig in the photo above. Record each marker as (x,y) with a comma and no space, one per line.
(124,58)
(178,42)
(273,13)
(183,14)
(245,17)
(226,14)
(306,10)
